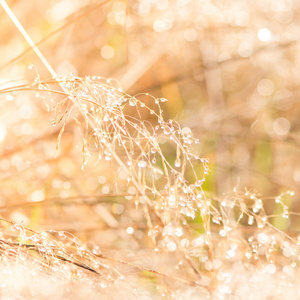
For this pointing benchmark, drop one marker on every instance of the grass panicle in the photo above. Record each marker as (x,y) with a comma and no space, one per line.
(105,194)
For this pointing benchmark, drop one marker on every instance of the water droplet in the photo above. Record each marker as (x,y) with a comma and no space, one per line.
(263,238)
(270,269)
(172,246)
(9,97)
(130,230)
(199,182)
(179,231)
(167,130)
(96,251)
(285,215)
(132,102)
(177,162)
(216,219)
(142,164)
(13,227)
(169,230)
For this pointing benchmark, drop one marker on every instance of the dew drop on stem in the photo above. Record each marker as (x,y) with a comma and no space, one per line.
(177,162)
(142,164)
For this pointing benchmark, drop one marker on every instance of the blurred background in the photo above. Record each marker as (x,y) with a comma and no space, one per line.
(229,69)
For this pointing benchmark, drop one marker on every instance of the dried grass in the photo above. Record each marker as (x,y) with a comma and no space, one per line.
(115,195)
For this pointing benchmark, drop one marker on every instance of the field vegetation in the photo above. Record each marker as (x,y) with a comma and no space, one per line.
(149,149)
